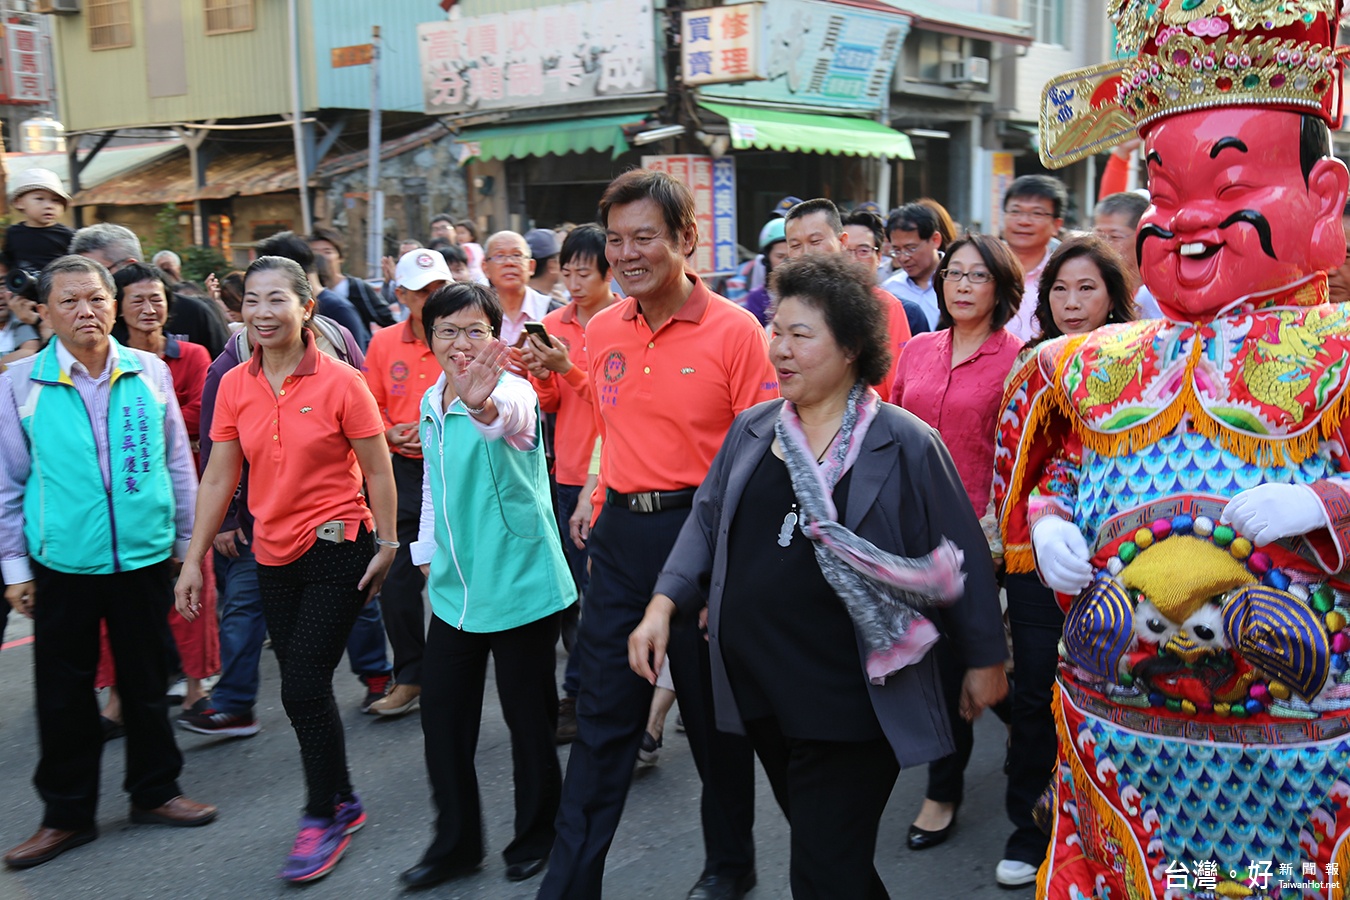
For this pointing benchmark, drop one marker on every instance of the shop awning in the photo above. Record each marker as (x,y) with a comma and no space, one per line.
(755,128)
(541,138)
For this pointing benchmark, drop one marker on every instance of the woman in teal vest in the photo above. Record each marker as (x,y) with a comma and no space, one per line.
(497,580)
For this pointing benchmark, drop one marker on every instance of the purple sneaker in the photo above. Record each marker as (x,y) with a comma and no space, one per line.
(318,847)
(349,814)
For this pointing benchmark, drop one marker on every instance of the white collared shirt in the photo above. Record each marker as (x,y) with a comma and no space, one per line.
(532,309)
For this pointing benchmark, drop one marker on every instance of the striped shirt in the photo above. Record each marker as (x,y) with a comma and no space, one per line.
(16,464)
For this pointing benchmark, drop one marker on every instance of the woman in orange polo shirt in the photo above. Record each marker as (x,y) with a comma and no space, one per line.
(309,428)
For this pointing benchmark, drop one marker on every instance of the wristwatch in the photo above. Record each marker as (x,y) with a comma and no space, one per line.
(474,410)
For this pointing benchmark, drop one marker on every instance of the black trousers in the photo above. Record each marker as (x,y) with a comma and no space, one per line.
(310,606)
(627,552)
(452,711)
(66,617)
(401,594)
(947,776)
(833,794)
(1036,622)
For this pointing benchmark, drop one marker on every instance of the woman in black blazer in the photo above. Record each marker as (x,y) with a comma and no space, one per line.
(825,543)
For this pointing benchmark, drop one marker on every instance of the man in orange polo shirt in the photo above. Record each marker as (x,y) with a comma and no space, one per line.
(399,368)
(670,367)
(814,226)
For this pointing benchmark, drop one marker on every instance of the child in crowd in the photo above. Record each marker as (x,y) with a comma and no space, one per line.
(39,195)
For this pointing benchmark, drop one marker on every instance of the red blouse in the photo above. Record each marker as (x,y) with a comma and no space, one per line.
(962,403)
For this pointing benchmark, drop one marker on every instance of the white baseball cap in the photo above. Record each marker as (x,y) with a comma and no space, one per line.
(418,268)
(32,180)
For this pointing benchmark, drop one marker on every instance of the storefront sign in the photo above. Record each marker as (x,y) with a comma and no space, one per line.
(822,54)
(545,56)
(721,44)
(355,55)
(713,182)
(1001,176)
(25,75)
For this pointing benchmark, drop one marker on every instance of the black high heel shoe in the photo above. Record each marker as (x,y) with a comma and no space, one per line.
(923,839)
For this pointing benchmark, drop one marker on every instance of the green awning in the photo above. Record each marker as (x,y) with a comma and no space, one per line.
(754,128)
(541,138)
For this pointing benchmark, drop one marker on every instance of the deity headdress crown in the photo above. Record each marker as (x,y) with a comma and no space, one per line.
(1182,55)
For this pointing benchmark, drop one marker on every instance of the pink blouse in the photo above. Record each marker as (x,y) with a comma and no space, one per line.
(962,403)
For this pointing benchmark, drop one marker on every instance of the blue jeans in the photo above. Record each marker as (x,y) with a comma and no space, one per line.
(568,494)
(366,650)
(242,631)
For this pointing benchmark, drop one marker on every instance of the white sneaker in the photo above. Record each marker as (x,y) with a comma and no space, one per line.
(1014,873)
(178,691)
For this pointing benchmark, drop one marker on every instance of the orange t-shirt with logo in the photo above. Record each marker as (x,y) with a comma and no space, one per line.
(665,400)
(399,368)
(302,469)
(570,397)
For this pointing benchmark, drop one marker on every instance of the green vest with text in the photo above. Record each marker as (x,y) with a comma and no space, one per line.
(72,523)
(499,563)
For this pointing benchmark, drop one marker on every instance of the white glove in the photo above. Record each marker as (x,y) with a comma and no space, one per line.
(1061,555)
(1268,512)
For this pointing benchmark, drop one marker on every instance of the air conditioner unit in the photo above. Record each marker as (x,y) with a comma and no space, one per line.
(59,7)
(971,70)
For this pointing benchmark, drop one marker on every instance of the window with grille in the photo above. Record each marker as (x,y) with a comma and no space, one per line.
(226,16)
(1047,20)
(109,23)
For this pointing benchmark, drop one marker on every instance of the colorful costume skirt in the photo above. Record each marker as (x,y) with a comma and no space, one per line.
(1153,806)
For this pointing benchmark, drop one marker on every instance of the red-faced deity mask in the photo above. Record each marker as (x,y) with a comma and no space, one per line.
(1234,213)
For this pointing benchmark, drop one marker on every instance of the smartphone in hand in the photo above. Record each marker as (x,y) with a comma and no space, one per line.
(536,329)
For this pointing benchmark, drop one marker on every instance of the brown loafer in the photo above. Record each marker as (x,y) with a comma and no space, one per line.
(46,845)
(180,811)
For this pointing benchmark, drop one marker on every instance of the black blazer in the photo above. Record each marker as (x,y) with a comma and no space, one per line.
(904,496)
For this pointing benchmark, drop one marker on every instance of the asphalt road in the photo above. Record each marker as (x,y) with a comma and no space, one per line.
(258,785)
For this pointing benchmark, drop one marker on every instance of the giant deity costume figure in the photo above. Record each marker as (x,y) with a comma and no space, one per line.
(1184,483)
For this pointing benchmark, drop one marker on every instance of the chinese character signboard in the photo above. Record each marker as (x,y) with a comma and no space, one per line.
(570,53)
(1001,178)
(713,182)
(25,74)
(820,54)
(720,44)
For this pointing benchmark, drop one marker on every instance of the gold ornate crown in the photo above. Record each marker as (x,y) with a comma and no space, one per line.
(1182,55)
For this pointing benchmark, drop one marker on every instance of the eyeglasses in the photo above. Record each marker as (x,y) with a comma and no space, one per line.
(1036,215)
(907,250)
(513,259)
(450,332)
(976,277)
(865,251)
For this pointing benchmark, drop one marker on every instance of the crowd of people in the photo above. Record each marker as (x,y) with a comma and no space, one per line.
(774,509)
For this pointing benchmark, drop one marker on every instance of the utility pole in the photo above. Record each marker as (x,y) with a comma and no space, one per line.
(375,204)
(297,114)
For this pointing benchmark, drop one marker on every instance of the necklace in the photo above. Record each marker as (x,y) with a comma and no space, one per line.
(787,530)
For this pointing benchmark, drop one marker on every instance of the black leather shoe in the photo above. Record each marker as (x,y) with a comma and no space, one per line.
(722,887)
(425,874)
(523,870)
(921,839)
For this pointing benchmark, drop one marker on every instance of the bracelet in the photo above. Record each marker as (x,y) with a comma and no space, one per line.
(474,411)
(383,543)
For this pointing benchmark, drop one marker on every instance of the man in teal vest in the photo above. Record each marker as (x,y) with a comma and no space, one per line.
(97,488)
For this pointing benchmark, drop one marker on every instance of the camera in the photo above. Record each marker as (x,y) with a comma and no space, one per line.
(24,282)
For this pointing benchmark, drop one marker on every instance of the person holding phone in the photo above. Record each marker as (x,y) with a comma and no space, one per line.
(310,431)
(497,581)
(555,354)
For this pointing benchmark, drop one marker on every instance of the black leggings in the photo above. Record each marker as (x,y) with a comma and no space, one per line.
(310,606)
